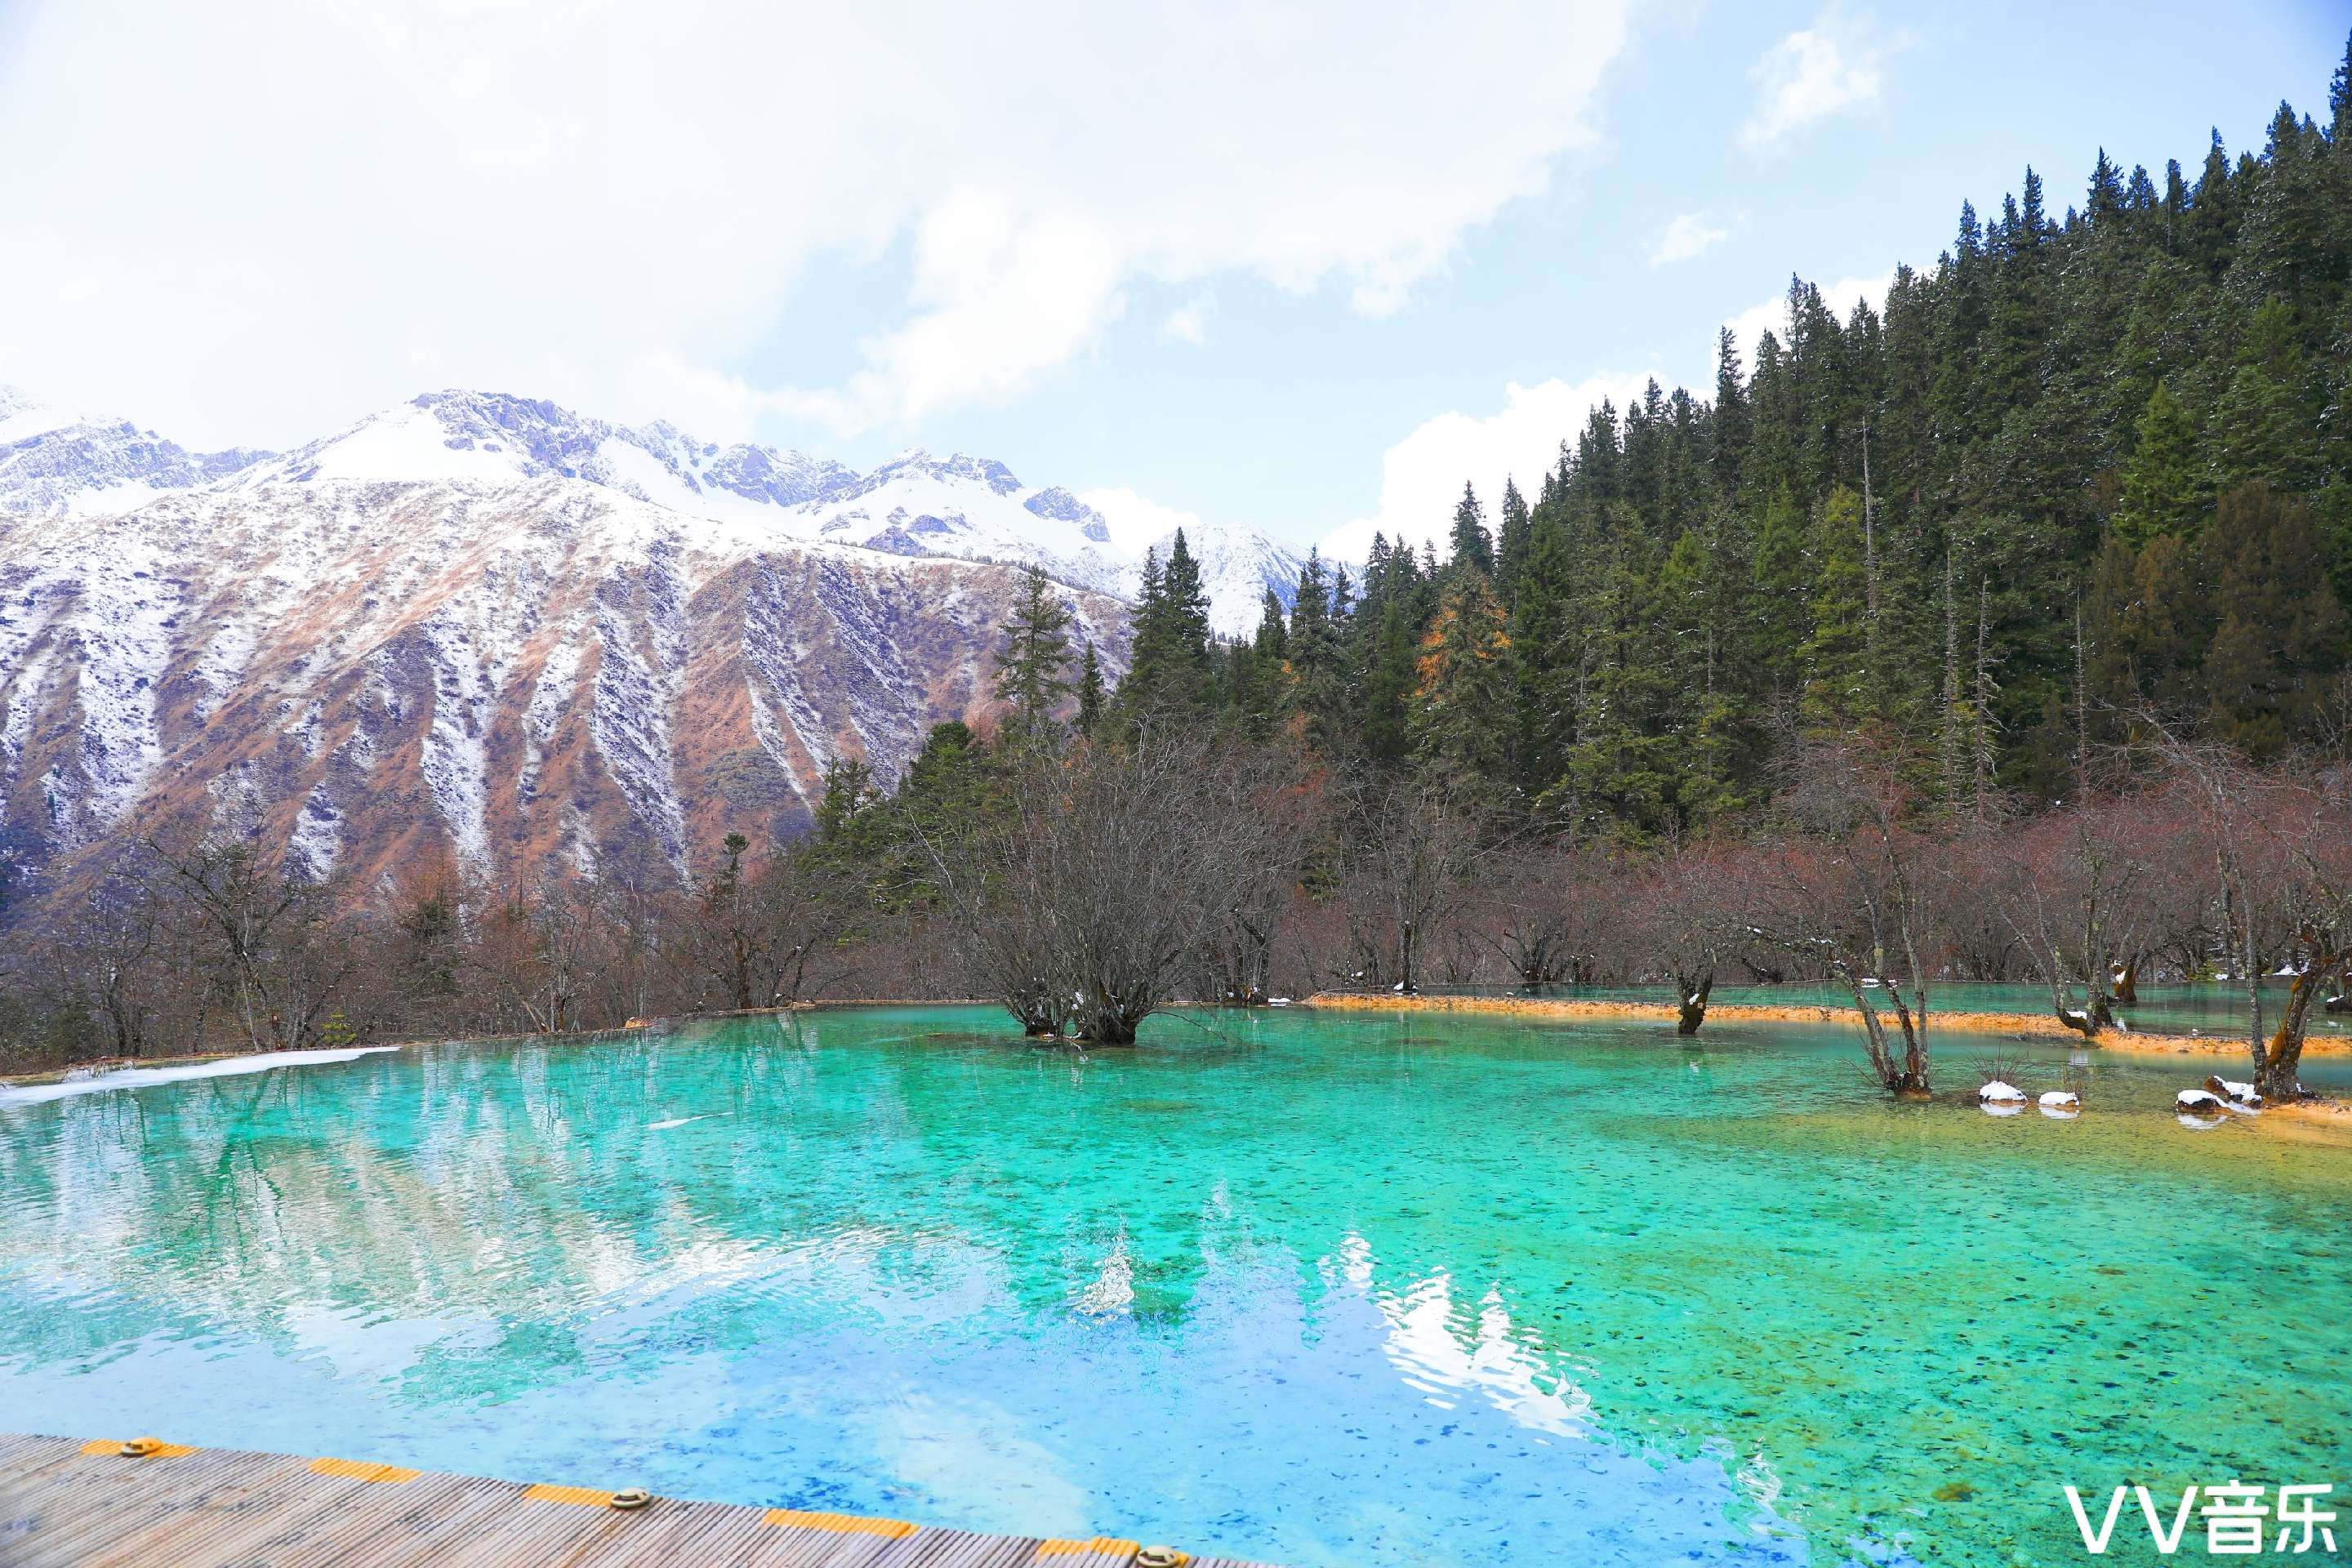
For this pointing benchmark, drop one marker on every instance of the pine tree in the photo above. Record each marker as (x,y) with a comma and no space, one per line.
(2280,632)
(1473,547)
(1030,678)
(2266,427)
(1783,620)
(1169,667)
(1839,687)
(1091,692)
(2164,490)
(1512,539)
(1461,693)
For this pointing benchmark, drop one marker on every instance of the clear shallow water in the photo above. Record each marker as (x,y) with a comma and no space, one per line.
(1385,1289)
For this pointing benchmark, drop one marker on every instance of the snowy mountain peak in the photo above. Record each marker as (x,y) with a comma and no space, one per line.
(959,505)
(54,461)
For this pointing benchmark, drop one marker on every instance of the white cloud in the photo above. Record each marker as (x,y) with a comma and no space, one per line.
(1810,75)
(606,200)
(1685,237)
(1422,476)
(1749,327)
(1189,322)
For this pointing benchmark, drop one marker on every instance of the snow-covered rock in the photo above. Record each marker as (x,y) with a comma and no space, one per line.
(2197,1099)
(2002,1092)
(2236,1093)
(962,507)
(2058,1098)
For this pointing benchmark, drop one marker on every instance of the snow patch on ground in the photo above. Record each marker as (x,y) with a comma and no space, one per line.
(630,719)
(455,763)
(550,696)
(317,836)
(144,1077)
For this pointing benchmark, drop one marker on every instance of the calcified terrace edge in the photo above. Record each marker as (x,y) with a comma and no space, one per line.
(2037,1026)
(2026,1025)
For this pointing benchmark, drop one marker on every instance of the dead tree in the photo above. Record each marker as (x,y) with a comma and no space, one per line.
(2311,823)
(264,928)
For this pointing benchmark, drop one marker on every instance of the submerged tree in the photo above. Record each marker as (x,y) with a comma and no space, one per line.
(1084,902)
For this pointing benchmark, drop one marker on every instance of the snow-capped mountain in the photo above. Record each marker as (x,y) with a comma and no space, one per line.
(487,635)
(52,460)
(971,509)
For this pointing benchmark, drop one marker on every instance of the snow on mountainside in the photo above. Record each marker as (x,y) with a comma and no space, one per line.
(492,677)
(54,461)
(971,509)
(487,633)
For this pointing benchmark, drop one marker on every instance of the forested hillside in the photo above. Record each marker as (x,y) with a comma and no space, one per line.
(2086,462)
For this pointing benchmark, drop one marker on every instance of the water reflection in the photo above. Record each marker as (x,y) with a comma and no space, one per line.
(1316,1291)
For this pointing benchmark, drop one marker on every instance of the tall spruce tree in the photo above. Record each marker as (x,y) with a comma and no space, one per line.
(1473,546)
(1031,668)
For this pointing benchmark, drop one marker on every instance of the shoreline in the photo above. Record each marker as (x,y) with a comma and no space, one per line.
(2029,1026)
(2026,1025)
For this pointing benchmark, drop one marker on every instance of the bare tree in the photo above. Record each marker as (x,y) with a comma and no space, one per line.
(2073,893)
(1412,843)
(1268,798)
(280,953)
(1686,916)
(1547,907)
(536,949)
(1852,893)
(1083,905)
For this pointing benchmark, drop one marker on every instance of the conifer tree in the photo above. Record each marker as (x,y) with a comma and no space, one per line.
(1391,678)
(1462,687)
(1512,538)
(1473,546)
(1838,680)
(2164,484)
(2282,631)
(1169,667)
(1030,668)
(1091,692)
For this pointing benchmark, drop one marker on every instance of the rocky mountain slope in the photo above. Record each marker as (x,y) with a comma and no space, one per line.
(485,634)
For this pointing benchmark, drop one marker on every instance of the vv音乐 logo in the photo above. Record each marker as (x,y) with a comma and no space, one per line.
(2237,1520)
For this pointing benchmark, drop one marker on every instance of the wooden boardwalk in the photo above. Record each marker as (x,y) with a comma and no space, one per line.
(64,1501)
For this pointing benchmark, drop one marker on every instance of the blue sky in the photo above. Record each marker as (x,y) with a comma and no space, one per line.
(1305,268)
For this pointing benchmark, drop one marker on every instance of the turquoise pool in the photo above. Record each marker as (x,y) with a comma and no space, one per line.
(1349,1289)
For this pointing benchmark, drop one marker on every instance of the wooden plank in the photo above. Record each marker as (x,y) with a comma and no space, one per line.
(80,1503)
(114,1510)
(371,1528)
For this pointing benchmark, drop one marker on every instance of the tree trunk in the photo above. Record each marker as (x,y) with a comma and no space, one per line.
(2277,1070)
(1690,1001)
(2128,984)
